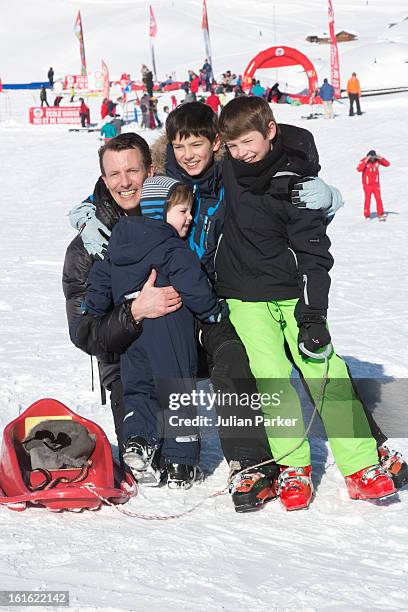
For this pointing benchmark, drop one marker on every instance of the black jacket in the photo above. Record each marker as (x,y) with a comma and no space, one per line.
(270,249)
(96,336)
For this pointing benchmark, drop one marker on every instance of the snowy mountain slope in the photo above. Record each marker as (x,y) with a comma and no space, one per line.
(40,34)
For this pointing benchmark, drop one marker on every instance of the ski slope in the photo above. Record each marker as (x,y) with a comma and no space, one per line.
(338,555)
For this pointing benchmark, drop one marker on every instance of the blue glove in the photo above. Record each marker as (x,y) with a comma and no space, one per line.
(221,315)
(315,194)
(337,202)
(95,235)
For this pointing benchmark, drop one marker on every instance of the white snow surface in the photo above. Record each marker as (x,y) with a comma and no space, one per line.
(338,555)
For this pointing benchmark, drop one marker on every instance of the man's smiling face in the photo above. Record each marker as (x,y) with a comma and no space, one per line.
(124,174)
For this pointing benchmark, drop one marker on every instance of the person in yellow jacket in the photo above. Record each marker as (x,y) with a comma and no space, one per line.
(354,93)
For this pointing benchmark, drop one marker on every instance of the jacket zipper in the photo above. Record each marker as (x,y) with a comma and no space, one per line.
(216,253)
(305,293)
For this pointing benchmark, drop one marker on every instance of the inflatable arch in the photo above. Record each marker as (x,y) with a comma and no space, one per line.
(277,57)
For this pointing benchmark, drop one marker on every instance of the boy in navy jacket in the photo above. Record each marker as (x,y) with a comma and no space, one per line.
(163,362)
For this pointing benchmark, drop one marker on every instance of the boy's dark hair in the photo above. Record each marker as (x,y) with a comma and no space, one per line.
(245,114)
(129,140)
(192,119)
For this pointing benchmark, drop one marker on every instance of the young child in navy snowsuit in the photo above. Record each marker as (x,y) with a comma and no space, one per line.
(163,360)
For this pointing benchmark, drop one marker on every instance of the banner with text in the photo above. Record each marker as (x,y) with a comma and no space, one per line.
(54,115)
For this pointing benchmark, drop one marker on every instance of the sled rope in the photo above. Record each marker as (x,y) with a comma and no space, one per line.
(50,482)
(153,517)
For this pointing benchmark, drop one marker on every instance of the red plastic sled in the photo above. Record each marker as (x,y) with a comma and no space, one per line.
(103,476)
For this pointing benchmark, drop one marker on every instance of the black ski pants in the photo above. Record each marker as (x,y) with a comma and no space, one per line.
(354,98)
(232,379)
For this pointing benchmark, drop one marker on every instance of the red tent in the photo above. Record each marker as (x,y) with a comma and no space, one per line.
(277,57)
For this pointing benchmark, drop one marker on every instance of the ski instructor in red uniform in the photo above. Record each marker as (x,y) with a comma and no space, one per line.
(369,166)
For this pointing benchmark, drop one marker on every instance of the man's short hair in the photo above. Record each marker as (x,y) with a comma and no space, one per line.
(245,114)
(123,142)
(192,119)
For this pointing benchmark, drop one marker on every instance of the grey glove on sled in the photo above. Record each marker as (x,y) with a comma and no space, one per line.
(312,192)
(60,443)
(95,235)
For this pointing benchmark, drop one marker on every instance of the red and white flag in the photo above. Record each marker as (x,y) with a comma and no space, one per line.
(334,54)
(80,35)
(153,24)
(105,80)
(206,32)
(152,34)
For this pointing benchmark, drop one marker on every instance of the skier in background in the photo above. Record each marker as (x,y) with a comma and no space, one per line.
(354,93)
(43,96)
(326,93)
(50,76)
(84,114)
(370,168)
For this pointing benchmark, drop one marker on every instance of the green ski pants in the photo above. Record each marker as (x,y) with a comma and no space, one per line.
(263,328)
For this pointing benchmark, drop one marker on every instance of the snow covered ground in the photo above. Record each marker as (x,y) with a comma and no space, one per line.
(340,554)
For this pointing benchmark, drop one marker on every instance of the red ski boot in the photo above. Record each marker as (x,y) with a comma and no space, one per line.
(295,487)
(394,464)
(372,482)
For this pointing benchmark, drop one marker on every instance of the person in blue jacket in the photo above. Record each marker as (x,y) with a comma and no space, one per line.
(162,363)
(326,93)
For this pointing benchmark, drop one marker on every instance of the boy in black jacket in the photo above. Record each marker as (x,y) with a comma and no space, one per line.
(272,265)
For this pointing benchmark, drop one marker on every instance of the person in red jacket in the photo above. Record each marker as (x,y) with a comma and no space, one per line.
(104,108)
(194,84)
(84,113)
(214,101)
(369,166)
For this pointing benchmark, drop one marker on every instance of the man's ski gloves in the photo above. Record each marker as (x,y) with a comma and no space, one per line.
(95,235)
(313,333)
(312,192)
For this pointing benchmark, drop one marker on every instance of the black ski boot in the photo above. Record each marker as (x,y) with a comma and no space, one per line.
(144,461)
(252,488)
(181,476)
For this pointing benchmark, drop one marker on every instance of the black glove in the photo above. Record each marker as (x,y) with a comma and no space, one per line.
(313,333)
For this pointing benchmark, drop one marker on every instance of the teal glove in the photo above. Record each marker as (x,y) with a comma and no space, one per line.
(95,235)
(314,193)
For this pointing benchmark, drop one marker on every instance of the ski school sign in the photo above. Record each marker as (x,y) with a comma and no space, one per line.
(77,81)
(55,115)
(93,81)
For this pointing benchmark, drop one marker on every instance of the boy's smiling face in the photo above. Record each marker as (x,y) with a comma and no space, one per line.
(194,154)
(252,146)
